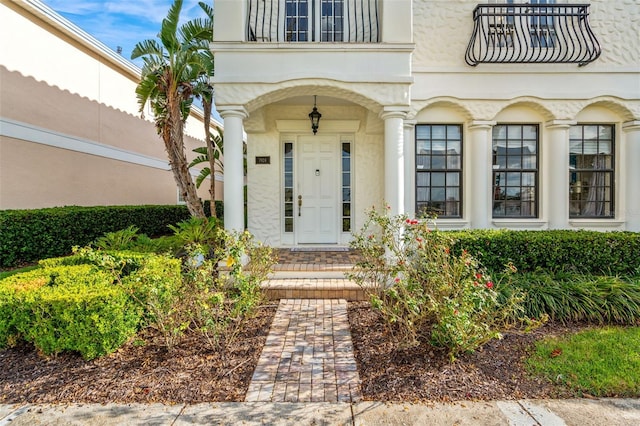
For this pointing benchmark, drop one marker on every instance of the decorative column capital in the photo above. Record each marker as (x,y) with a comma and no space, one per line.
(394,112)
(481,124)
(559,124)
(409,124)
(233,111)
(631,126)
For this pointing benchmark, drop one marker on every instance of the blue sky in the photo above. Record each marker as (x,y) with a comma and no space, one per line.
(121,22)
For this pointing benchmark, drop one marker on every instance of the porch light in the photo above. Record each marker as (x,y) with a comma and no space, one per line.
(314,116)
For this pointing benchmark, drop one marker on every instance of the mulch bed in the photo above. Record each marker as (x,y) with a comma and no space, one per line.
(144,371)
(424,373)
(141,371)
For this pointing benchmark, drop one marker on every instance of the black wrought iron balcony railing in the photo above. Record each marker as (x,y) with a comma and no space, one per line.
(348,21)
(532,33)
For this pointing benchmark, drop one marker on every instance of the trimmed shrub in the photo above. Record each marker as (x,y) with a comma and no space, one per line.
(74,308)
(30,235)
(91,302)
(588,252)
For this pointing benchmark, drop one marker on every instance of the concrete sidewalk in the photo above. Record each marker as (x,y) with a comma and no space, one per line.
(582,412)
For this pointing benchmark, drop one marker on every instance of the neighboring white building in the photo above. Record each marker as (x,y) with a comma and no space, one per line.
(70,130)
(503,115)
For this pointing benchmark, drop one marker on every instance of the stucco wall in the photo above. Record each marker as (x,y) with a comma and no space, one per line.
(442,28)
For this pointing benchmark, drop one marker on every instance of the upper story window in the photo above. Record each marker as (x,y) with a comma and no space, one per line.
(308,20)
(515,171)
(354,21)
(591,171)
(540,31)
(439,170)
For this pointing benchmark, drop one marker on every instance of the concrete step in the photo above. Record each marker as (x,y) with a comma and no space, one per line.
(313,288)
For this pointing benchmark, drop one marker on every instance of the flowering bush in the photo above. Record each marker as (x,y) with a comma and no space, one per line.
(423,290)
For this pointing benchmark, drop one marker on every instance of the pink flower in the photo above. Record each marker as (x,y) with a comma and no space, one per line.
(455,312)
(397,280)
(475,283)
(371,237)
(446,250)
(419,239)
(489,284)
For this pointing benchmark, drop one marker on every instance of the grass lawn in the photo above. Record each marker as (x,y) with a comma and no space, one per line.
(5,274)
(600,362)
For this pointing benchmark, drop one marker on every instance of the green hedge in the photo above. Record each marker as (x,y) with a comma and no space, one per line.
(91,302)
(588,252)
(30,235)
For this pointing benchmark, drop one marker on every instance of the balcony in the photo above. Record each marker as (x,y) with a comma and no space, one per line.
(333,21)
(532,33)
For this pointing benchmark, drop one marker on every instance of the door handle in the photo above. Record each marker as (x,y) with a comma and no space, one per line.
(299,204)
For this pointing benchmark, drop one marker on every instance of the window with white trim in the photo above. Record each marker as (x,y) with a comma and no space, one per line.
(439,170)
(515,171)
(591,171)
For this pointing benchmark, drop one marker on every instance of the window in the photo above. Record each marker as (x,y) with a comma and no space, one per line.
(515,171)
(346,186)
(301,20)
(543,32)
(288,186)
(439,170)
(591,171)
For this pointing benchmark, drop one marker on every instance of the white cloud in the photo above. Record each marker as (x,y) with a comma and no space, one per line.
(121,22)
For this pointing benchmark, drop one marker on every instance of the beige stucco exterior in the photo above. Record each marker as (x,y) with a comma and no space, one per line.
(70,129)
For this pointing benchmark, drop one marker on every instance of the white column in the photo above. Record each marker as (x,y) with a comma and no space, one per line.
(394,158)
(233,167)
(478,196)
(554,173)
(632,174)
(410,167)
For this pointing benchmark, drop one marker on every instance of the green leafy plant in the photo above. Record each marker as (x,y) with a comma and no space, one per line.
(423,290)
(571,297)
(200,231)
(123,239)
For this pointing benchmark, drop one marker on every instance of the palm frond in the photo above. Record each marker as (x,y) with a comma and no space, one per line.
(200,159)
(208,9)
(204,173)
(169,28)
(147,48)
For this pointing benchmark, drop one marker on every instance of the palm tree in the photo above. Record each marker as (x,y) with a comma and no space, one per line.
(211,154)
(204,90)
(171,66)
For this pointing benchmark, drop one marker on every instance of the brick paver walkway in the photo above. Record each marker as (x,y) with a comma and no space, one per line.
(308,355)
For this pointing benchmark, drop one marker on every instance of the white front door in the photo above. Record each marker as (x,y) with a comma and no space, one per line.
(317,189)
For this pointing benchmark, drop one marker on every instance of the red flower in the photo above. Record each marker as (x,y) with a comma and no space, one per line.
(489,284)
(455,312)
(446,250)
(408,220)
(397,280)
(419,239)
(414,222)
(478,276)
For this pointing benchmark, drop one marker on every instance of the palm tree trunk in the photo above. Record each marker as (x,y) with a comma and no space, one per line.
(174,144)
(206,104)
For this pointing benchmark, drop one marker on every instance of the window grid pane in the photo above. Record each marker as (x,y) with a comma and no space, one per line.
(515,171)
(346,186)
(288,206)
(439,170)
(297,20)
(591,171)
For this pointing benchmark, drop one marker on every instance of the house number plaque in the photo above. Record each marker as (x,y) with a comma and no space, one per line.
(263,160)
